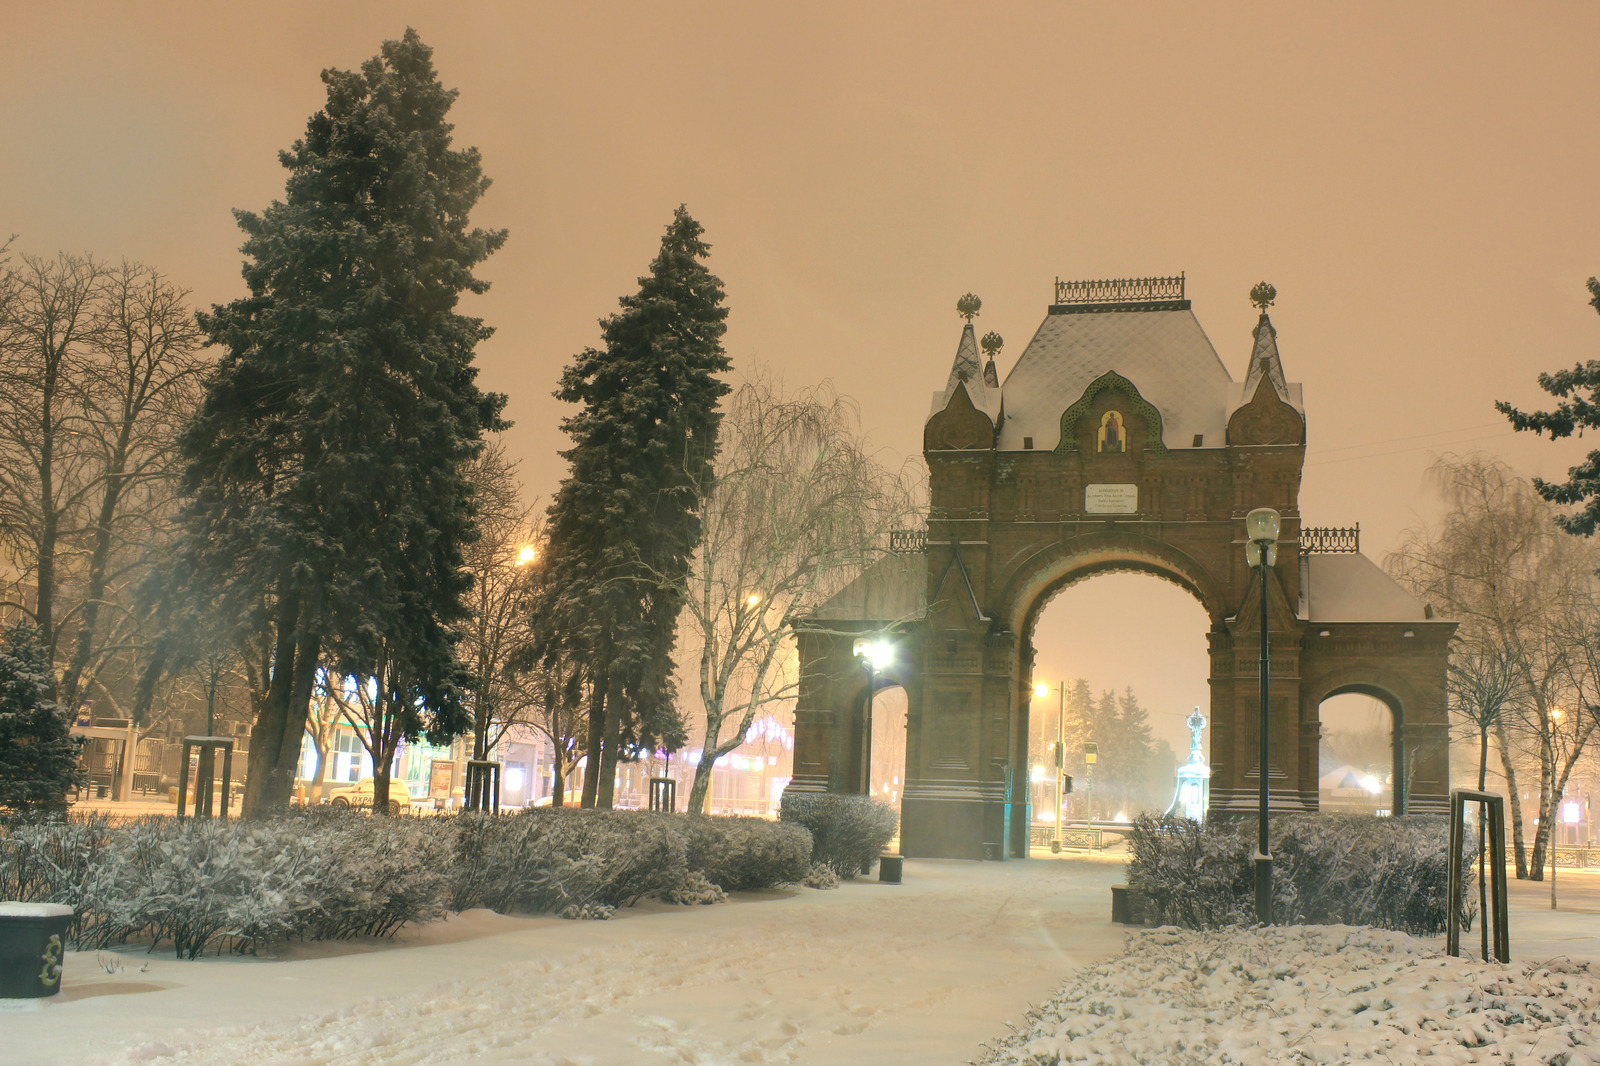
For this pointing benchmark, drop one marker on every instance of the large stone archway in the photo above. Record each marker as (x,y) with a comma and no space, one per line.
(1118,442)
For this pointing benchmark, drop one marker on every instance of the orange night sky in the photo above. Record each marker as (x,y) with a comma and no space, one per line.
(1417,180)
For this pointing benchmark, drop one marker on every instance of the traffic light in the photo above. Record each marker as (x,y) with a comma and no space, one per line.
(1066,784)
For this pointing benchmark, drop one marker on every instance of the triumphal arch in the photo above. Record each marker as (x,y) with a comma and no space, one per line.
(1119,441)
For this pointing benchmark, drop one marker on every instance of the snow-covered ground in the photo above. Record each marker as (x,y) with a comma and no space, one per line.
(924,972)
(1311,994)
(915,973)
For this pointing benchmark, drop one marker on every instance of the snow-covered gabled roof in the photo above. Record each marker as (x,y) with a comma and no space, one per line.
(893,589)
(1164,353)
(1349,587)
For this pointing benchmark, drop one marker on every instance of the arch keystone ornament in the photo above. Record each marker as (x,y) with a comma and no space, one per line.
(1010,524)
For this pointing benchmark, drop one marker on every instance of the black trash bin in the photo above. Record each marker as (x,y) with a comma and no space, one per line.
(33,939)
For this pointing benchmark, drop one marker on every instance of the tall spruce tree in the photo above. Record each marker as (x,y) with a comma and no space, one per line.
(1135,750)
(39,760)
(326,465)
(1578,390)
(624,524)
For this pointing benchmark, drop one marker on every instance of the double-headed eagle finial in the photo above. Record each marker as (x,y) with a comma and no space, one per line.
(1263,294)
(969,306)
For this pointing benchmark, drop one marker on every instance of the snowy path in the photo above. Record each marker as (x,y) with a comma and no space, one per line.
(918,973)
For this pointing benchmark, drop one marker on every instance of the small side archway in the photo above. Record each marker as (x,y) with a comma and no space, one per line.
(1392,693)
(871,739)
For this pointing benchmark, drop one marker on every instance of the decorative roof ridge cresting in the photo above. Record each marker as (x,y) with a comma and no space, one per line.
(1119,290)
(1111,380)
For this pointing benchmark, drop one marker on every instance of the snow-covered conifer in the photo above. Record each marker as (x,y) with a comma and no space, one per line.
(39,760)
(625,521)
(326,464)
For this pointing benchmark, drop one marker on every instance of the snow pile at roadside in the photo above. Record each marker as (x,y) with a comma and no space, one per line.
(1310,994)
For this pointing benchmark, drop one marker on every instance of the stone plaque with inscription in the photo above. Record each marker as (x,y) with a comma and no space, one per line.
(1111,499)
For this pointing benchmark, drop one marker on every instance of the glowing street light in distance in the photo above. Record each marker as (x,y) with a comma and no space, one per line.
(880,653)
(527,555)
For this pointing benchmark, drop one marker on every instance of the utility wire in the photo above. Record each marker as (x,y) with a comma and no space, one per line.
(1417,448)
(1417,436)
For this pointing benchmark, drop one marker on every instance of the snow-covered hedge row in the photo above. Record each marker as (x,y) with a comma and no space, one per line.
(1328,870)
(847,832)
(560,860)
(328,874)
(200,883)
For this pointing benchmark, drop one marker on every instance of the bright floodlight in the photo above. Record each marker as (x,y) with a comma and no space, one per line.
(1261,524)
(527,555)
(879,653)
(1041,690)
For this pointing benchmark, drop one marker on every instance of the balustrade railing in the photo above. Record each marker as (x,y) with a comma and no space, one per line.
(1119,290)
(908,541)
(1329,540)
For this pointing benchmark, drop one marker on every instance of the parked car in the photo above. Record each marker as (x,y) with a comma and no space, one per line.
(360,795)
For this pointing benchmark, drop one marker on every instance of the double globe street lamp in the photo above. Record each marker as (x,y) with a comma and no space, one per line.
(1261,551)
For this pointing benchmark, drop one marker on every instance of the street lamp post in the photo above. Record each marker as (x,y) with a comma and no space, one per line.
(1091,752)
(1261,551)
(875,655)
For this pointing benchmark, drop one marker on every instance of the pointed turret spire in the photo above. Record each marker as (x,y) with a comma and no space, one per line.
(1264,362)
(966,367)
(981,382)
(992,343)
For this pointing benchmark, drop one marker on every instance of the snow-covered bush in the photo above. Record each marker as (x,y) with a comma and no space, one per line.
(820,876)
(746,854)
(46,858)
(1327,870)
(694,891)
(552,859)
(380,873)
(199,883)
(545,860)
(847,832)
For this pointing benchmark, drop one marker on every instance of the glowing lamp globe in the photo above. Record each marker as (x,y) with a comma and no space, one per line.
(880,653)
(1261,524)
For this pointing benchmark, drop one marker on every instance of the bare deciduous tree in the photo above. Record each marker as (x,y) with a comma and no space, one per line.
(1525,593)
(797,506)
(501,561)
(99,368)
(48,327)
